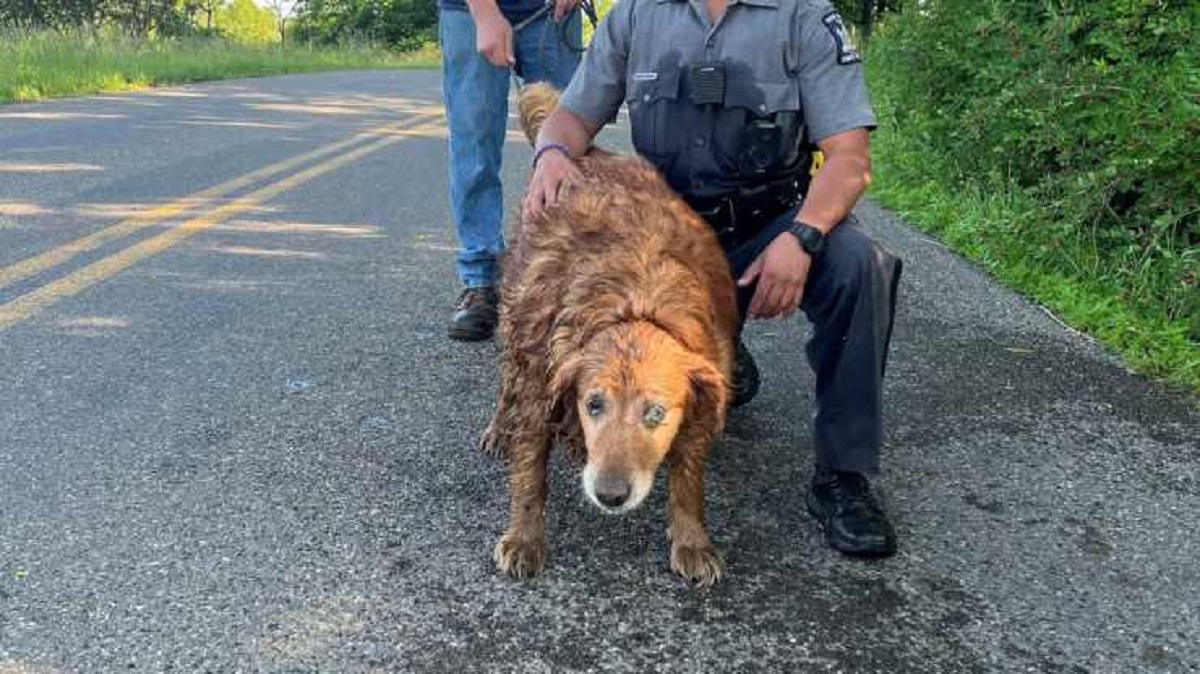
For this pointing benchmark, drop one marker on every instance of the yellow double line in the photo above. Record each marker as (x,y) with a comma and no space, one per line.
(34,301)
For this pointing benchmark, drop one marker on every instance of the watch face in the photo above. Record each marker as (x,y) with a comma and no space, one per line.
(815,242)
(811,238)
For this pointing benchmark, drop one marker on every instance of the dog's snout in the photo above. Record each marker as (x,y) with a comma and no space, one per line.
(612,490)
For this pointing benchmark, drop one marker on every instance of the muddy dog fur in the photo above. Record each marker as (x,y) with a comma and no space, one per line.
(617,322)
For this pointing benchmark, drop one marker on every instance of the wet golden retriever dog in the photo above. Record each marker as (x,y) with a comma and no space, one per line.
(617,319)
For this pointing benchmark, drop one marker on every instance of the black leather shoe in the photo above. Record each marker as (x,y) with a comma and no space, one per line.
(853,520)
(745,377)
(475,315)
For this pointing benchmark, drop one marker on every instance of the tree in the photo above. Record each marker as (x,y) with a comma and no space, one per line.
(246,22)
(284,11)
(400,24)
(209,8)
(138,18)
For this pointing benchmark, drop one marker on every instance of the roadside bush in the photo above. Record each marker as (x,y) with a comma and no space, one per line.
(1087,110)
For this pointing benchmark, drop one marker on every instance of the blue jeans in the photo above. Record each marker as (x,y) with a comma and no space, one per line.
(476,98)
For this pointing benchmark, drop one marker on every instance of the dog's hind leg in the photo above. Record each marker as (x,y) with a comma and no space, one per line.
(521,551)
(492,443)
(495,437)
(692,553)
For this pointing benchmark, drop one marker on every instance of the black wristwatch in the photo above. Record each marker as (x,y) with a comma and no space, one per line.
(812,240)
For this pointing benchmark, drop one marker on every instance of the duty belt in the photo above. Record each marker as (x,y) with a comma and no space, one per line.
(739,217)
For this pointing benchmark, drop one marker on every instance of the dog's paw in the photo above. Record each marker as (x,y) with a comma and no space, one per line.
(490,442)
(701,565)
(520,558)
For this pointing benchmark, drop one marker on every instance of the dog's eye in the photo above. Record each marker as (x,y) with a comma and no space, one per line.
(595,405)
(654,415)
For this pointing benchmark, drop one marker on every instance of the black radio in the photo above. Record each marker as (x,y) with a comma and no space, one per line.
(706,83)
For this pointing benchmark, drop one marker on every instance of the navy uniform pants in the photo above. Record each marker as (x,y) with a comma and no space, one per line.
(850,299)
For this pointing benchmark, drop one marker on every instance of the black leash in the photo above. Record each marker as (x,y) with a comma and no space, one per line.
(532,17)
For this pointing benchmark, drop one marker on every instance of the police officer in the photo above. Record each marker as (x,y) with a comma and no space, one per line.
(726,97)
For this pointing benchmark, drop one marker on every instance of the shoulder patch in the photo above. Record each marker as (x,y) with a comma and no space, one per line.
(846,51)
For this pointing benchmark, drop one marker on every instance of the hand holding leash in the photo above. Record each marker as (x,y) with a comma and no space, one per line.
(563,9)
(494,38)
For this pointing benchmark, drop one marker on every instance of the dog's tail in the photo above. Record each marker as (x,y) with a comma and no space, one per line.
(535,104)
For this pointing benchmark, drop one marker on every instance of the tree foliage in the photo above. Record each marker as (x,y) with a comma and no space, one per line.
(864,14)
(400,24)
(138,18)
(239,20)
(246,22)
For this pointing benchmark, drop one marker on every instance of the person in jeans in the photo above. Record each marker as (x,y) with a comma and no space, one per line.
(484,43)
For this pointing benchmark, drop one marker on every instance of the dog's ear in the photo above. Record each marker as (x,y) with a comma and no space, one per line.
(709,395)
(562,383)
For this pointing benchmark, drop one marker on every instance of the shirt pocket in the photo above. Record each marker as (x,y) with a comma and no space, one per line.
(758,133)
(653,102)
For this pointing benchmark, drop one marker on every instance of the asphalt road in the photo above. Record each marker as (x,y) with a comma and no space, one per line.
(234,438)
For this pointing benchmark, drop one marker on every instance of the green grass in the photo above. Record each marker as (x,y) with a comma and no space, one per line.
(45,65)
(982,222)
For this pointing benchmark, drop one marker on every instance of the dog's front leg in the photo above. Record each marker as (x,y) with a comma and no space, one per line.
(692,553)
(521,551)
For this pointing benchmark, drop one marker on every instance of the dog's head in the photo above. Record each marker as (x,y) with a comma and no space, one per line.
(634,389)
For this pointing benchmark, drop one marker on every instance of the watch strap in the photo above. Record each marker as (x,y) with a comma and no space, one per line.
(812,240)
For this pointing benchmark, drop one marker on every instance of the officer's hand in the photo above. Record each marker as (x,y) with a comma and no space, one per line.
(494,38)
(563,8)
(781,270)
(553,174)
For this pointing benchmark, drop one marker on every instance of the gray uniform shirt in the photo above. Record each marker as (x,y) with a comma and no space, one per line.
(781,58)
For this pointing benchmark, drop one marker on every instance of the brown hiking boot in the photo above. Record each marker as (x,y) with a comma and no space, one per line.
(475,315)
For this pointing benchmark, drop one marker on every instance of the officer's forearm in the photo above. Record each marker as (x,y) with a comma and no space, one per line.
(835,189)
(566,128)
